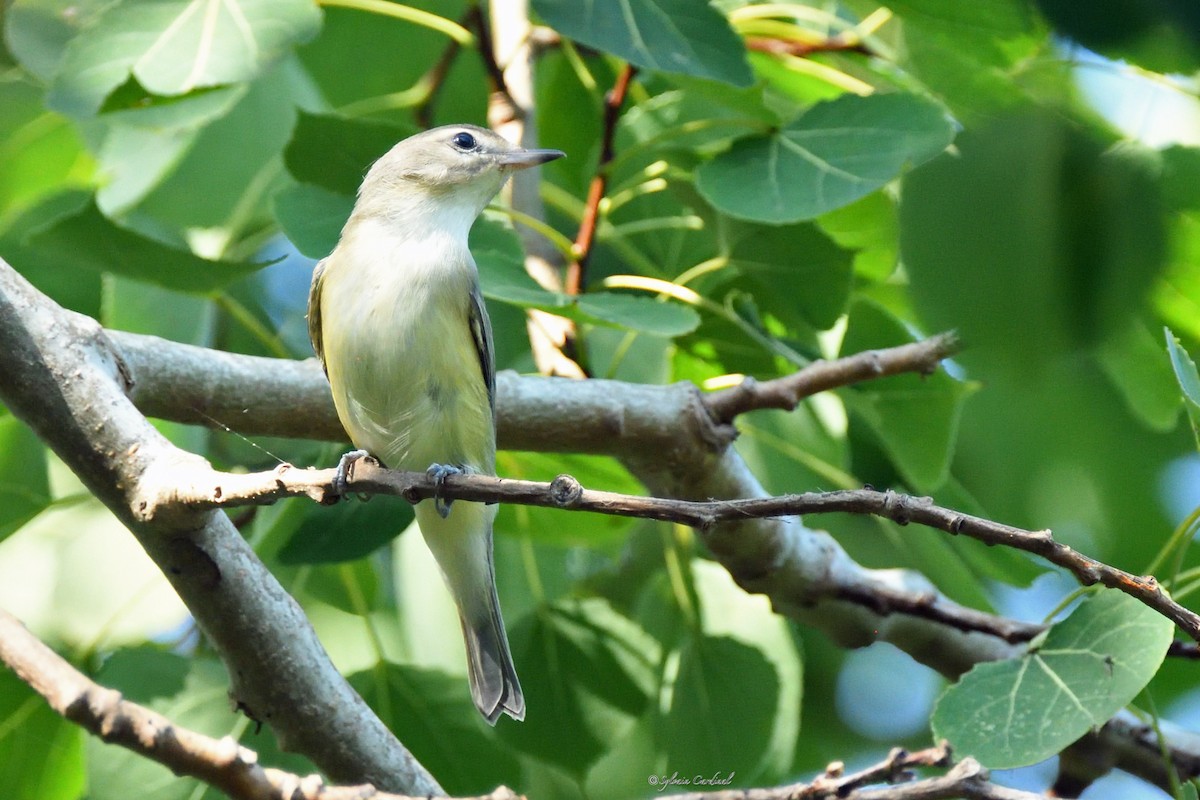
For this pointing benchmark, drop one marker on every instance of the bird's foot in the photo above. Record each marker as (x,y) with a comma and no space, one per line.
(439,473)
(345,470)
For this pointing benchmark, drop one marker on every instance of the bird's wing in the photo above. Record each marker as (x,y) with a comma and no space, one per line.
(314,311)
(481,332)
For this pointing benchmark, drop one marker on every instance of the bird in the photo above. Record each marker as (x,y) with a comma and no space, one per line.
(396,317)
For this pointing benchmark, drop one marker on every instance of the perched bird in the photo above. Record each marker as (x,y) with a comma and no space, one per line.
(397,319)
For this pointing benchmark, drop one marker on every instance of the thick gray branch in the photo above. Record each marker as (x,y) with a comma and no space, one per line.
(61,374)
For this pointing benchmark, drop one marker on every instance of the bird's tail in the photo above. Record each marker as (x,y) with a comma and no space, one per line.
(462,545)
(493,678)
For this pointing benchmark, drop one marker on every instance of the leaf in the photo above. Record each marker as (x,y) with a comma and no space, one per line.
(41,754)
(827,157)
(192,694)
(681,36)
(334,153)
(312,217)
(799,274)
(41,151)
(723,680)
(223,175)
(1032,263)
(1021,711)
(346,531)
(1134,362)
(431,712)
(914,416)
(974,57)
(639,313)
(585,669)
(730,614)
(503,277)
(668,119)
(37,32)
(1188,379)
(81,238)
(174,46)
(24,479)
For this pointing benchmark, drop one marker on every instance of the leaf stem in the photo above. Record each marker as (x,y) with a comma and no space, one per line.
(409,14)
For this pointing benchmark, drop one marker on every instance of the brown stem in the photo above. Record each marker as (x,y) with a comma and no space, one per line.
(576,280)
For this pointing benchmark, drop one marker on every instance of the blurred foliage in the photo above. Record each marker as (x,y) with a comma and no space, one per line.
(173,168)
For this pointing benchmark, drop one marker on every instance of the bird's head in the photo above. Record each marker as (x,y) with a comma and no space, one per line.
(452,172)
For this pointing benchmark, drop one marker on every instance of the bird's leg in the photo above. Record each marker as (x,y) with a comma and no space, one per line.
(341,476)
(439,473)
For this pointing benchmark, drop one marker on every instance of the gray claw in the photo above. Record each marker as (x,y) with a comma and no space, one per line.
(341,477)
(439,473)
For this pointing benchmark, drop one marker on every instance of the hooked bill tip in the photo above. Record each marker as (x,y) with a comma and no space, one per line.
(521,159)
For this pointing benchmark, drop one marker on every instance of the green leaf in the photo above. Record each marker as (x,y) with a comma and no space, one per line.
(502,277)
(973,57)
(915,417)
(41,151)
(681,36)
(1134,362)
(639,313)
(346,531)
(829,156)
(41,754)
(350,586)
(799,274)
(731,615)
(174,46)
(37,32)
(82,238)
(670,119)
(312,217)
(584,669)
(1181,176)
(334,153)
(870,228)
(215,192)
(1021,711)
(24,480)
(1188,379)
(192,694)
(1031,263)
(725,696)
(431,712)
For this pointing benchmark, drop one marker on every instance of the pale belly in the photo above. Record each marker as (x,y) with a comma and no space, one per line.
(408,386)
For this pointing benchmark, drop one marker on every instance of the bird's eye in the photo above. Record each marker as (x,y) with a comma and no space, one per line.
(464,141)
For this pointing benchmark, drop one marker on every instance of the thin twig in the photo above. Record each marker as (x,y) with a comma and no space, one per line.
(576,279)
(967,779)
(922,357)
(566,493)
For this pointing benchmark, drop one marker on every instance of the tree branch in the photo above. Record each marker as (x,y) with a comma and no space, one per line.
(967,779)
(221,763)
(234,769)
(666,435)
(62,376)
(923,357)
(566,493)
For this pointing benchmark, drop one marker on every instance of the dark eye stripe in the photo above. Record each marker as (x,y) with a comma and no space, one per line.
(464,141)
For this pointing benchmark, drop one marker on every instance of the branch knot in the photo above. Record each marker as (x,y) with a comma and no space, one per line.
(565,491)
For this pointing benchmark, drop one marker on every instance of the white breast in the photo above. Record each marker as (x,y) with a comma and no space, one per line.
(406,376)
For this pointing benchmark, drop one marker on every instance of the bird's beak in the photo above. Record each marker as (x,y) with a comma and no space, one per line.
(523,159)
